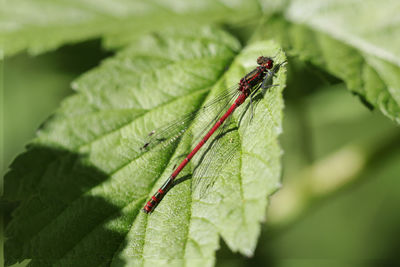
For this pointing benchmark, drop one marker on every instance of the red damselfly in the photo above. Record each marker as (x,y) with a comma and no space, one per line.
(248,86)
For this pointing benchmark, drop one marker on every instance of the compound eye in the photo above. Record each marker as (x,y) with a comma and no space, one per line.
(269,64)
(260,60)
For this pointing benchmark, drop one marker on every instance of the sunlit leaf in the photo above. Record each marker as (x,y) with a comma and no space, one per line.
(83,181)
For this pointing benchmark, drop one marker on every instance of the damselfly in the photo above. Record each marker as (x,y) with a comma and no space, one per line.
(248,86)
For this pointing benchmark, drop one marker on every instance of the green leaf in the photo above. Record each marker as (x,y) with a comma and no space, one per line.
(82,182)
(41,25)
(356,41)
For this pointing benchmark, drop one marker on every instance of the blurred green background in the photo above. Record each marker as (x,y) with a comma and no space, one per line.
(314,220)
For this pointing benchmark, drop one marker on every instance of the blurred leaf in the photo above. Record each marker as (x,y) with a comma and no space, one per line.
(41,25)
(353,46)
(373,29)
(83,182)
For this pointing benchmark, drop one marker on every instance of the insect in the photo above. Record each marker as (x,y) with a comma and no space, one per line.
(248,86)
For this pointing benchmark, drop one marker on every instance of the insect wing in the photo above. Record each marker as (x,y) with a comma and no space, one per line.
(202,119)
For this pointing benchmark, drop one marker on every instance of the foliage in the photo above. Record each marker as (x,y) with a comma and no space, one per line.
(75,195)
(86,163)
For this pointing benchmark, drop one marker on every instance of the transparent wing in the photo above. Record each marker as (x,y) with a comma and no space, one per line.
(212,162)
(209,163)
(202,120)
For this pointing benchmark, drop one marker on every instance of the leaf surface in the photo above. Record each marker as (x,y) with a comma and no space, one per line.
(83,181)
